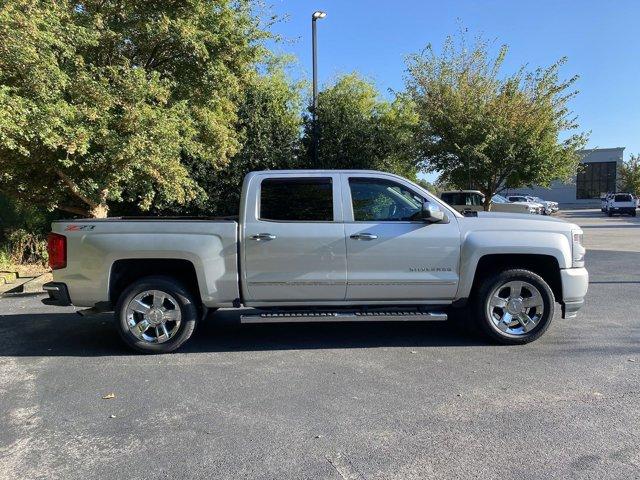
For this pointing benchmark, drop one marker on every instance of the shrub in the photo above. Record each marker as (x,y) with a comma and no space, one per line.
(23,247)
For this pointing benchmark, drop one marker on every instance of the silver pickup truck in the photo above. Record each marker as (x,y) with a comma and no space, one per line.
(321,245)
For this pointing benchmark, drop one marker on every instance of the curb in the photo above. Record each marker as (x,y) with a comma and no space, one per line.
(24,284)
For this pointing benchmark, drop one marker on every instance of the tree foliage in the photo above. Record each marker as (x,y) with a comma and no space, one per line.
(103,100)
(358,129)
(483,130)
(630,175)
(269,124)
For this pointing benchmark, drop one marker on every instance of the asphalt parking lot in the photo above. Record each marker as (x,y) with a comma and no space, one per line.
(361,401)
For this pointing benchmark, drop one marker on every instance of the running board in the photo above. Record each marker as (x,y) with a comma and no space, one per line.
(360,316)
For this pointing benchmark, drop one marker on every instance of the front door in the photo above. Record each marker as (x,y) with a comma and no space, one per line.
(293,243)
(391,253)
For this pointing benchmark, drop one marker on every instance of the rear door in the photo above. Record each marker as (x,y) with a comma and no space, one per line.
(392,255)
(293,240)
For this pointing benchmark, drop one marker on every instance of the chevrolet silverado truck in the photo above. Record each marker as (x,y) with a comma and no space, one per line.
(321,246)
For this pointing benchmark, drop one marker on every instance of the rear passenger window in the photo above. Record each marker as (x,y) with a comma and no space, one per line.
(623,198)
(296,199)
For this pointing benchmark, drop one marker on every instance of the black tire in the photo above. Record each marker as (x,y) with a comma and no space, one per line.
(188,311)
(485,324)
(610,213)
(633,213)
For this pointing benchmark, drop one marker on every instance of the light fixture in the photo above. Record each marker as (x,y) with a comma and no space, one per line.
(318,14)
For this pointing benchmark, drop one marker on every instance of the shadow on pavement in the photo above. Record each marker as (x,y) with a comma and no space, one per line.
(612,227)
(69,334)
(592,213)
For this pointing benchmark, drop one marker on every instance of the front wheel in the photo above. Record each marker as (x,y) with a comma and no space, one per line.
(514,307)
(156,315)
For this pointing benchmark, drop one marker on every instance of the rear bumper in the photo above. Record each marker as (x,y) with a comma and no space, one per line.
(622,209)
(575,282)
(58,294)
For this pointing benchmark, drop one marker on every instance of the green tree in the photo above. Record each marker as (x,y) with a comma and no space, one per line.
(482,130)
(103,100)
(269,125)
(630,175)
(358,129)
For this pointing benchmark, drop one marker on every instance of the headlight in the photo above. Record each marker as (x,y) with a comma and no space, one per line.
(578,250)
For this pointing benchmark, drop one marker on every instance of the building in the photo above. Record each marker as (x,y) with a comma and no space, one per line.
(598,174)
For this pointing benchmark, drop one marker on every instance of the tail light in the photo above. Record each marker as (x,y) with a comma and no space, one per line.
(57,249)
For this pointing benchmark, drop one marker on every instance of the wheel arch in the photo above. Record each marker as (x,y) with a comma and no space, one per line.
(126,271)
(546,266)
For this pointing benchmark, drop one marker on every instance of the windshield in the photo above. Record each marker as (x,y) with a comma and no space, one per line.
(499,199)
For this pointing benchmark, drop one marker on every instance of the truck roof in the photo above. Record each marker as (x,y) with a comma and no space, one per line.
(298,171)
(463,191)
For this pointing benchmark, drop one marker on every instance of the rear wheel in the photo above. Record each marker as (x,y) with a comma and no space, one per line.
(514,307)
(156,315)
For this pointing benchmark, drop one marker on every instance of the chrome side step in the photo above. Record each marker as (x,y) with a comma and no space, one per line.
(348,316)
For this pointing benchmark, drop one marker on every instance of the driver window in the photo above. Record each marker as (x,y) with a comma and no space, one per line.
(383,200)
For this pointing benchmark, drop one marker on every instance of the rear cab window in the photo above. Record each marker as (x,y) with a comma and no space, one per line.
(453,198)
(462,198)
(623,198)
(299,199)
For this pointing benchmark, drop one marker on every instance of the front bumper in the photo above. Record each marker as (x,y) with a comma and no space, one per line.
(575,282)
(58,294)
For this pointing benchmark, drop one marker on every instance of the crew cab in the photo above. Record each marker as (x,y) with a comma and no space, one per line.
(621,203)
(321,245)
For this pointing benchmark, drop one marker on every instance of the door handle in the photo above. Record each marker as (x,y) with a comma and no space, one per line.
(263,236)
(364,236)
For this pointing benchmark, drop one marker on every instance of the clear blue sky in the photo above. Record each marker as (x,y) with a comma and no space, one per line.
(600,39)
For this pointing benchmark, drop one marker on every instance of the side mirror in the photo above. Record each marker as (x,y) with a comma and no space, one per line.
(431,213)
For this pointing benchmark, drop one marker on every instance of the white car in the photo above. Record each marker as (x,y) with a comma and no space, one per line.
(621,203)
(501,204)
(473,201)
(549,207)
(540,208)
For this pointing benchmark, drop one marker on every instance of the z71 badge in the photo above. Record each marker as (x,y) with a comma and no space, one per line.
(79,228)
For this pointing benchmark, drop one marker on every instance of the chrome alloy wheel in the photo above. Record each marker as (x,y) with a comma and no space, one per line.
(515,307)
(153,316)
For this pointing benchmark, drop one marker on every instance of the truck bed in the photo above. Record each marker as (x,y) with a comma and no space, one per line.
(94,245)
(233,218)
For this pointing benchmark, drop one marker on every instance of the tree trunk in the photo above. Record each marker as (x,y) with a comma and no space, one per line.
(487,201)
(99,211)
(92,208)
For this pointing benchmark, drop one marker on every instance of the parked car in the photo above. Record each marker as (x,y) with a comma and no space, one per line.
(473,201)
(539,207)
(550,207)
(621,203)
(464,200)
(321,245)
(501,204)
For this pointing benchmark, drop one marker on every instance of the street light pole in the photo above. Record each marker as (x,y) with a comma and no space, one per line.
(314,109)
